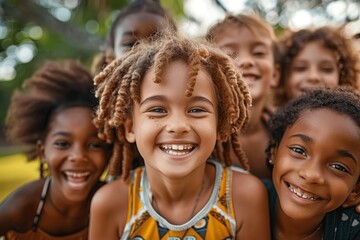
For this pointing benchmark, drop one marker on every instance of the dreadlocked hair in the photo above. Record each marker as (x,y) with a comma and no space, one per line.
(55,85)
(118,87)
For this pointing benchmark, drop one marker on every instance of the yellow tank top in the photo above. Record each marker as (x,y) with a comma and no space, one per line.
(215,220)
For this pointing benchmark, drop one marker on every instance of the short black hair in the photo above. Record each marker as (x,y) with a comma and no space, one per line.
(343,100)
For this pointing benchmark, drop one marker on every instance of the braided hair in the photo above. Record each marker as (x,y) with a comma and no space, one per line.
(118,87)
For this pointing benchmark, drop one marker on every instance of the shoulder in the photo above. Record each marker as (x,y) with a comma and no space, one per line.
(247,186)
(109,205)
(344,222)
(18,210)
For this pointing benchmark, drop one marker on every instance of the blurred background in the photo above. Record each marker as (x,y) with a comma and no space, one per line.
(34,30)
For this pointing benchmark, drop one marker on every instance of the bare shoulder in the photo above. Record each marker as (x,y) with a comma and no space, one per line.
(250,202)
(18,210)
(247,186)
(109,210)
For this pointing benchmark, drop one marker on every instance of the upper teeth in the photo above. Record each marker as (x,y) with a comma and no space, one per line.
(302,194)
(77,174)
(174,149)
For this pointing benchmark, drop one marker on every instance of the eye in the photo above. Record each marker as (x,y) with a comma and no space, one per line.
(299,68)
(298,150)
(61,144)
(97,145)
(157,110)
(197,110)
(327,69)
(128,45)
(339,167)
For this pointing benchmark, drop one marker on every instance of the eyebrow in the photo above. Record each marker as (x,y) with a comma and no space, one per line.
(347,154)
(305,138)
(162,98)
(341,152)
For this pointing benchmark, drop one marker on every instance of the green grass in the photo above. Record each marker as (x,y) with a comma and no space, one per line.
(15,170)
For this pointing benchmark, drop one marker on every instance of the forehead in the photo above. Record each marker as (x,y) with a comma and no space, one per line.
(235,34)
(72,117)
(320,50)
(140,21)
(175,78)
(327,124)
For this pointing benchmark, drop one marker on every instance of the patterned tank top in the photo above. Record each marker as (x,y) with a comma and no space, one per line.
(216,220)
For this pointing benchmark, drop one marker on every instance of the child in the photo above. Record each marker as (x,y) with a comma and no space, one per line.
(314,149)
(53,117)
(138,20)
(175,97)
(313,59)
(251,42)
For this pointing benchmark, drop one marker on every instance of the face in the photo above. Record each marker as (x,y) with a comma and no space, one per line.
(76,157)
(253,56)
(316,165)
(133,28)
(175,134)
(314,67)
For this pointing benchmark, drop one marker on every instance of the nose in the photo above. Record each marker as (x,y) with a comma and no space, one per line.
(311,172)
(244,61)
(78,153)
(178,124)
(314,75)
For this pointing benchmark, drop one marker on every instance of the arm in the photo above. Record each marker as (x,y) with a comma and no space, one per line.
(18,210)
(251,207)
(108,211)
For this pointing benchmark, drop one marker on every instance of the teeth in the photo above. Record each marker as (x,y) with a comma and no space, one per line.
(177,149)
(77,174)
(301,194)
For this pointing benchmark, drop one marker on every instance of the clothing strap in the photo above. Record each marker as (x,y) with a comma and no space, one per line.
(41,203)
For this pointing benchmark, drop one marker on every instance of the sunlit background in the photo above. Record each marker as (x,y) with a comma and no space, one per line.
(198,16)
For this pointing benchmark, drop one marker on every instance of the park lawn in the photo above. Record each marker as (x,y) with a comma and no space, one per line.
(15,170)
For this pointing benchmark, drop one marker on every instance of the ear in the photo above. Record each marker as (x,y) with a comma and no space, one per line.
(273,153)
(41,150)
(354,197)
(129,132)
(276,76)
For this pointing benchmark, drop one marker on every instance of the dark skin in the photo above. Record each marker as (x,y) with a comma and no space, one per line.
(20,209)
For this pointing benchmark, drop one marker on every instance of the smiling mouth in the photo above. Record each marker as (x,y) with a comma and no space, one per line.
(177,149)
(301,194)
(77,177)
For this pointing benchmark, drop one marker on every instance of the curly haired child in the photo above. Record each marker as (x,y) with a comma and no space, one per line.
(251,42)
(315,58)
(138,20)
(315,155)
(52,116)
(175,97)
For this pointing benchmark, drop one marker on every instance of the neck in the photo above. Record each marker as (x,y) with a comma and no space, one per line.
(255,119)
(287,227)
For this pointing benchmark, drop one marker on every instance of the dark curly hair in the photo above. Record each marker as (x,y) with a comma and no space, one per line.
(57,84)
(107,52)
(291,43)
(343,100)
(118,86)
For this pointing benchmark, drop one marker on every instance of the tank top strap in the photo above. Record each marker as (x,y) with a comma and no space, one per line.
(41,203)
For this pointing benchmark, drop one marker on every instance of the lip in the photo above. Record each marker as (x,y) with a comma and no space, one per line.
(77,179)
(250,78)
(177,149)
(300,194)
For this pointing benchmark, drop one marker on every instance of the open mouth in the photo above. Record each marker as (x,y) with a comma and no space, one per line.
(177,149)
(302,194)
(77,178)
